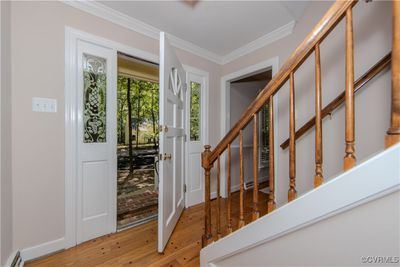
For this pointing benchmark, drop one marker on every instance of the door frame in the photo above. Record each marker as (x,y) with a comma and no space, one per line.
(205,77)
(272,63)
(72,36)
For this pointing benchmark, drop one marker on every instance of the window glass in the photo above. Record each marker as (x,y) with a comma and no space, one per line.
(195,94)
(94,99)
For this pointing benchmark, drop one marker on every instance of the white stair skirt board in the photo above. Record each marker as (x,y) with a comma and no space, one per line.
(307,209)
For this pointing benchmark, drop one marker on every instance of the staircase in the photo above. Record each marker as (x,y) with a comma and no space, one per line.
(311,45)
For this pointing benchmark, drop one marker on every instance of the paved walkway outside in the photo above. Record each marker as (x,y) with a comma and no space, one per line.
(137,196)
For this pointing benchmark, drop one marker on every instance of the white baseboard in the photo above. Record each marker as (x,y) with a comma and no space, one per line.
(235,188)
(42,249)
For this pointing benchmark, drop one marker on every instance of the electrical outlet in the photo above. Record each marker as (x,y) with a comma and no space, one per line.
(40,104)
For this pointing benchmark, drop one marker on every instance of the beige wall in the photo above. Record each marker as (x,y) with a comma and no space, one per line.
(38,70)
(372,37)
(5,142)
(241,96)
(342,240)
(38,138)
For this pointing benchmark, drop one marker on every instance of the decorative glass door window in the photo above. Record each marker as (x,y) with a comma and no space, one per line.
(195,95)
(94,99)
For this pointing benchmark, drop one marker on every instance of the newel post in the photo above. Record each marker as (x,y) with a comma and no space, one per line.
(393,133)
(205,163)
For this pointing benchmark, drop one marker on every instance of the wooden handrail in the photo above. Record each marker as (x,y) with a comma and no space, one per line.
(334,104)
(393,133)
(332,17)
(311,43)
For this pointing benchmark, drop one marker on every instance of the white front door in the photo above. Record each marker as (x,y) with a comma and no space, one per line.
(197,133)
(96,168)
(172,142)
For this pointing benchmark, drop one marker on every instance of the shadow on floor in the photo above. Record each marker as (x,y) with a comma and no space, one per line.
(137,199)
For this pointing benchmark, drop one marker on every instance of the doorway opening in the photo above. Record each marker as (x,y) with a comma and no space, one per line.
(242,92)
(137,135)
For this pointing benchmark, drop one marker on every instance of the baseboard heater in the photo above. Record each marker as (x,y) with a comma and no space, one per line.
(250,184)
(17,260)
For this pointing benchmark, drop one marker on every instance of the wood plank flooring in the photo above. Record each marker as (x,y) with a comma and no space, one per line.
(138,246)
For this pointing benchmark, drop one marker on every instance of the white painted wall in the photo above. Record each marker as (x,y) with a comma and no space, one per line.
(38,138)
(368,230)
(372,37)
(5,141)
(359,216)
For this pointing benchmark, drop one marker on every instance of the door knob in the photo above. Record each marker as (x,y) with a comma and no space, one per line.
(167,156)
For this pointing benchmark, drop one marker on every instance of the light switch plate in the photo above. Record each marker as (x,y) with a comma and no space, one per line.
(40,104)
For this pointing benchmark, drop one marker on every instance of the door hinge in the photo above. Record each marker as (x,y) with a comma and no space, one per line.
(184,188)
(185,87)
(185,137)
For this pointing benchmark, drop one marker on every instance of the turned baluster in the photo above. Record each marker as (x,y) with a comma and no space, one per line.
(318,178)
(218,199)
(205,162)
(292,193)
(393,133)
(228,214)
(256,213)
(241,198)
(350,158)
(271,195)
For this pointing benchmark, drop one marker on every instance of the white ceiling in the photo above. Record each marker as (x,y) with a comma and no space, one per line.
(220,27)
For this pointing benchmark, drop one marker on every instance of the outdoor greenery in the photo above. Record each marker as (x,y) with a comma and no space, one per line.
(194,111)
(138,106)
(144,96)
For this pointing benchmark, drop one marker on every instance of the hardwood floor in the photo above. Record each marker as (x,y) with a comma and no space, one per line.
(137,246)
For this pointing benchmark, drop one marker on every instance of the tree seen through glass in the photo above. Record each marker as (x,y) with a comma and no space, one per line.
(195,94)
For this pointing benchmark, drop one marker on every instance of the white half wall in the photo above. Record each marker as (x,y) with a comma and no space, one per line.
(344,227)
(354,238)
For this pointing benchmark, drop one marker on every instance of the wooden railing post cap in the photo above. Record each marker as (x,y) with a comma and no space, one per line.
(205,157)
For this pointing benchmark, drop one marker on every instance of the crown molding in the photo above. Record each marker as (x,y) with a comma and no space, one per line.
(121,19)
(194,49)
(116,17)
(260,42)
(109,14)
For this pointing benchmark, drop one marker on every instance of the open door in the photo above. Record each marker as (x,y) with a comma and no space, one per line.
(172,139)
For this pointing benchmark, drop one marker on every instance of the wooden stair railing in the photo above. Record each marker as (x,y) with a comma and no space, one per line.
(333,16)
(335,103)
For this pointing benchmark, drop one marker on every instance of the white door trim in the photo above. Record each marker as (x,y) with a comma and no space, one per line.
(272,63)
(71,38)
(205,77)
